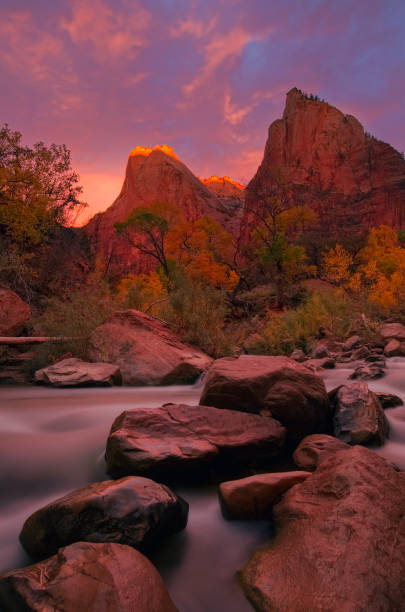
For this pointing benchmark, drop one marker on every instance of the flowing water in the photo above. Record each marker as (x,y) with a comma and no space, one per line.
(52,441)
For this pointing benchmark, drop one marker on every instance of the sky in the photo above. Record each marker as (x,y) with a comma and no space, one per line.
(206,77)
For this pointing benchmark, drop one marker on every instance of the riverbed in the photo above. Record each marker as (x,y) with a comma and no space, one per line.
(53,440)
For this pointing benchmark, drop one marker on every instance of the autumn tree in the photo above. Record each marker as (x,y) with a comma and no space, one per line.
(277,242)
(39,193)
(377,271)
(201,247)
(146,229)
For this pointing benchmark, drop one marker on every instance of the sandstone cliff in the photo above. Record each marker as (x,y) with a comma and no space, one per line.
(319,156)
(156,174)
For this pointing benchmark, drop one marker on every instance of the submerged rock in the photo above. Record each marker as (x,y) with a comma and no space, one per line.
(134,511)
(87,577)
(288,390)
(389,400)
(315,449)
(179,442)
(146,350)
(359,417)
(340,541)
(254,497)
(369,371)
(77,373)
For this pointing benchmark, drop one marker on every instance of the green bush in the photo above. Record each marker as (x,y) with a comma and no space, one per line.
(332,312)
(74,316)
(198,314)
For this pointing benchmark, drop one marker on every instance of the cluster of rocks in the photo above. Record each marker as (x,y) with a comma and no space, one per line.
(334,515)
(370,357)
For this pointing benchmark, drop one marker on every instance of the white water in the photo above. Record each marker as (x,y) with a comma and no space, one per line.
(53,440)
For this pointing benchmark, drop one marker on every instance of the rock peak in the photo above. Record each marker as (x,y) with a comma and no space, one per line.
(146,151)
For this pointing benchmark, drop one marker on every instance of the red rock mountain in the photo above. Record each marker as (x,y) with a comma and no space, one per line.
(318,155)
(151,175)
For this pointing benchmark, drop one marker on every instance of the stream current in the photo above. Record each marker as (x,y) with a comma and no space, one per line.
(53,440)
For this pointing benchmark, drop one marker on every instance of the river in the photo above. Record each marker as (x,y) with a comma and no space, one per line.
(53,440)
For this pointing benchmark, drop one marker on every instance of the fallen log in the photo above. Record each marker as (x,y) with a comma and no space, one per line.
(33,339)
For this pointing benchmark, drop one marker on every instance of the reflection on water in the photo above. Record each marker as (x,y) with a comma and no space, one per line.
(52,441)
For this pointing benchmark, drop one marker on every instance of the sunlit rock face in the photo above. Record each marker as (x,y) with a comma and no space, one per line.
(319,156)
(155,175)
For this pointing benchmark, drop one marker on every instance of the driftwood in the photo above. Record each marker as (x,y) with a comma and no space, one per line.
(33,339)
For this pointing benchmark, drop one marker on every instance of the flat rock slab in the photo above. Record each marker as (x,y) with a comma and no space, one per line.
(359,417)
(293,394)
(77,373)
(133,510)
(315,449)
(340,541)
(14,313)
(87,577)
(177,442)
(147,351)
(255,496)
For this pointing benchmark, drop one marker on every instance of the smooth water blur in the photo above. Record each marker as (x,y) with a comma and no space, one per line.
(53,440)
(392,382)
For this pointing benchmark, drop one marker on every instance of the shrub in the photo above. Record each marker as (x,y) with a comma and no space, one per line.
(299,328)
(75,316)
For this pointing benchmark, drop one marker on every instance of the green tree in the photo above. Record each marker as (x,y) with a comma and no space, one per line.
(277,237)
(39,193)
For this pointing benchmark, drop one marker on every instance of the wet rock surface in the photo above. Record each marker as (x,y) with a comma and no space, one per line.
(254,497)
(178,442)
(315,449)
(340,541)
(133,510)
(359,417)
(288,390)
(87,577)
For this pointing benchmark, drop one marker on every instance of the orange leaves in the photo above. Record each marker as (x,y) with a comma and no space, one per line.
(378,269)
(205,251)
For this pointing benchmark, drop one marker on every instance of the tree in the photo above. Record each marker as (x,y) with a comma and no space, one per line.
(146,229)
(39,193)
(277,242)
(201,247)
(38,189)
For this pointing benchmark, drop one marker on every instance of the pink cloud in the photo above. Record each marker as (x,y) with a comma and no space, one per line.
(25,49)
(111,33)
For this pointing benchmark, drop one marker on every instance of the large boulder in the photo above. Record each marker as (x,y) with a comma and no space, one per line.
(77,373)
(146,350)
(179,442)
(288,390)
(87,577)
(14,313)
(134,511)
(340,542)
(359,417)
(315,449)
(254,497)
(393,330)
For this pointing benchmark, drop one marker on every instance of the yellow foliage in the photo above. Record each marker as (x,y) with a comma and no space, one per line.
(140,291)
(379,272)
(204,250)
(337,263)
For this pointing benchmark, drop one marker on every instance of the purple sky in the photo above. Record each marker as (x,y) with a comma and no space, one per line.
(204,76)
